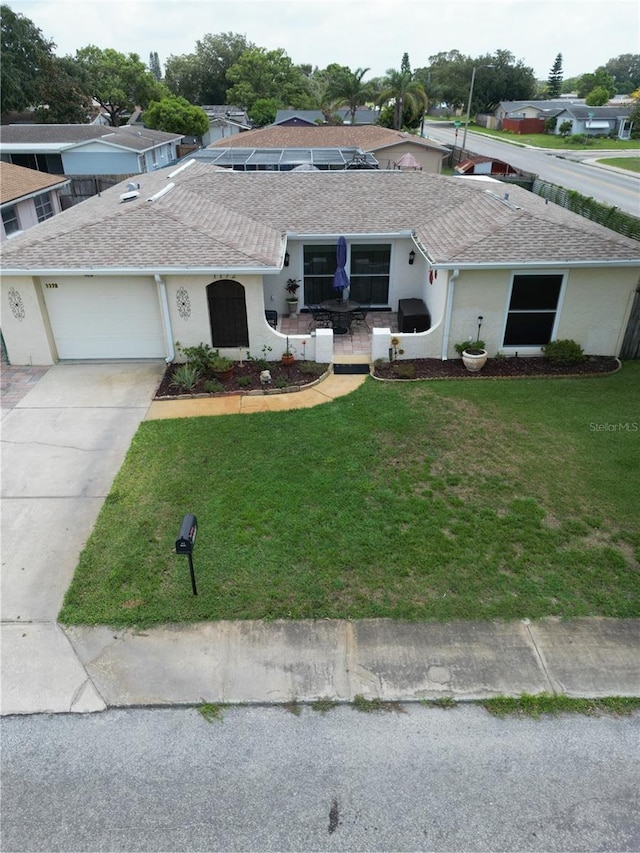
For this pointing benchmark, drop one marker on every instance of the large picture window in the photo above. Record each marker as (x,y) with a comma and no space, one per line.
(532,310)
(368,273)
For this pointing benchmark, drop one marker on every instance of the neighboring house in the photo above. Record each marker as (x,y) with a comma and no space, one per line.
(593,121)
(87,149)
(196,254)
(27,198)
(597,121)
(311,118)
(386,146)
(224,120)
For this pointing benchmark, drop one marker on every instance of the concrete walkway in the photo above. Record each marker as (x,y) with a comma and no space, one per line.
(62,445)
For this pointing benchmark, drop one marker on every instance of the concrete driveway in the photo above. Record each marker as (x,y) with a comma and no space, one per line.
(62,445)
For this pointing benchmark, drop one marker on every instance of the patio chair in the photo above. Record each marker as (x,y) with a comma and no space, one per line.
(319,318)
(272,318)
(358,317)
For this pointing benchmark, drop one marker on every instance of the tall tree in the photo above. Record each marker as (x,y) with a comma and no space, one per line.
(599,79)
(406,94)
(625,71)
(261,73)
(176,115)
(554,81)
(201,77)
(154,65)
(118,83)
(61,99)
(25,53)
(347,88)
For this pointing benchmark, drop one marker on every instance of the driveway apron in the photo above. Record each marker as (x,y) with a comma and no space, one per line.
(62,445)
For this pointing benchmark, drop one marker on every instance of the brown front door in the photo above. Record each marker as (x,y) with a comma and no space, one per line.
(227,314)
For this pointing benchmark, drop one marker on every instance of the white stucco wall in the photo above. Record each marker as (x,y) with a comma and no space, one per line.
(596,306)
(194,328)
(479,293)
(24,325)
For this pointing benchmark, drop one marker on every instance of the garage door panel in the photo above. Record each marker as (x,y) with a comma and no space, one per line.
(105,319)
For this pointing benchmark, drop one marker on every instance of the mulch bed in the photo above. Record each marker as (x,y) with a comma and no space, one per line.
(291,376)
(433,368)
(246,378)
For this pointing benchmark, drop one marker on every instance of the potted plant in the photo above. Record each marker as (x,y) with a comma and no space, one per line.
(221,366)
(287,356)
(292,286)
(474,355)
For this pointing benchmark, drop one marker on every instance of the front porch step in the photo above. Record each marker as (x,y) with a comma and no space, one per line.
(351,368)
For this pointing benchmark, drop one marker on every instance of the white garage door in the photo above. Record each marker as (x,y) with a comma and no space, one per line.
(105,318)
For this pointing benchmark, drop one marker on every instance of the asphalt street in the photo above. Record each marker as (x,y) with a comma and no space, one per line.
(571,168)
(263,779)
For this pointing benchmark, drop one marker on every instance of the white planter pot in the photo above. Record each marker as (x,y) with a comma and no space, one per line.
(474,361)
(293,307)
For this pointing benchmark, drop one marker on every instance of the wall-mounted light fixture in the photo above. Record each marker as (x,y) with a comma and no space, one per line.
(412,257)
(286,259)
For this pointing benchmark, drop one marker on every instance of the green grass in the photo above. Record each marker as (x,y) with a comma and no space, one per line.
(545,703)
(550,140)
(427,500)
(630,163)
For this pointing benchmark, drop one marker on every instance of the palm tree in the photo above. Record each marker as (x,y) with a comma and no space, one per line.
(405,92)
(347,88)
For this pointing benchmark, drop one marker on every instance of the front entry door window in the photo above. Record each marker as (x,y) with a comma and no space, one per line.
(227,314)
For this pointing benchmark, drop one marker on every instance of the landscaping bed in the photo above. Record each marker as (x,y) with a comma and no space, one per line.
(245,378)
(434,368)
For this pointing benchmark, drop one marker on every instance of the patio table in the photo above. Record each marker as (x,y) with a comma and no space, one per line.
(341,311)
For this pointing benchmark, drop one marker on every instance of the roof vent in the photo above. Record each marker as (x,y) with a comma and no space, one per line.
(129,195)
(133,185)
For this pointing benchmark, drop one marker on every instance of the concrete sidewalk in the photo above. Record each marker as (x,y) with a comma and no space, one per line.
(285,660)
(63,443)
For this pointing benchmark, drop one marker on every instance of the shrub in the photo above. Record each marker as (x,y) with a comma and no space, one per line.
(244,381)
(404,370)
(185,377)
(563,352)
(212,386)
(313,368)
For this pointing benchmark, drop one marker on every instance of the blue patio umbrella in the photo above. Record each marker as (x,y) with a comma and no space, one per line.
(340,278)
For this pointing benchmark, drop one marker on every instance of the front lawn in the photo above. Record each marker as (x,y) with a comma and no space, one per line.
(551,140)
(426,500)
(632,164)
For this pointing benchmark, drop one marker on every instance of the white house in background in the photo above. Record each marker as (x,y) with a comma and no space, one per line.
(27,198)
(597,121)
(197,254)
(87,149)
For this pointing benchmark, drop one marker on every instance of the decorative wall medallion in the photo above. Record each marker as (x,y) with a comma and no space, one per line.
(184,303)
(16,304)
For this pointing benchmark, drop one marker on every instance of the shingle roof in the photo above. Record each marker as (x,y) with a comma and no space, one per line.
(70,134)
(369,137)
(16,182)
(217,219)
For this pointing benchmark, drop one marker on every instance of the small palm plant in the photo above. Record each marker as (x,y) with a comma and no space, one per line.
(185,377)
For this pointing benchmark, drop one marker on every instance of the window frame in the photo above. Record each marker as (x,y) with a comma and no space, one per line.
(43,204)
(533,349)
(13,219)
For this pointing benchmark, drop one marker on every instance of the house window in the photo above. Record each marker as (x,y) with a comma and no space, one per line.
(10,220)
(319,268)
(44,208)
(369,273)
(532,310)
